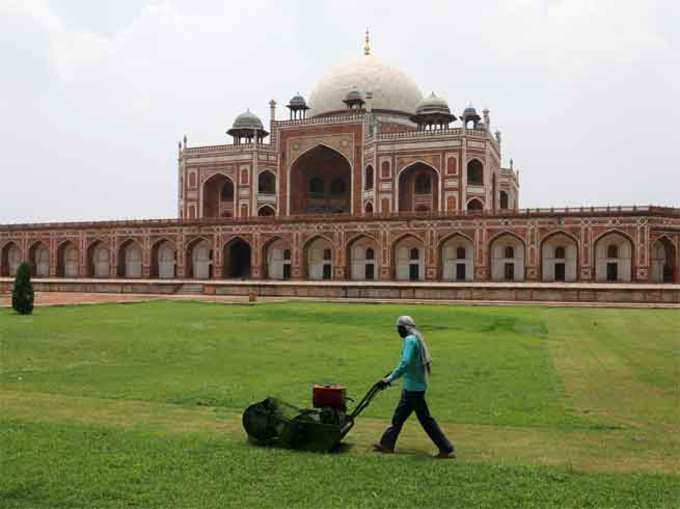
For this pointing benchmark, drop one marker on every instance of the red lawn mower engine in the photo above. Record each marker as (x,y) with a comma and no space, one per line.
(330,400)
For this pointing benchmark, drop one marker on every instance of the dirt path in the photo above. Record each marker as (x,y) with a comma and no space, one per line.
(71,298)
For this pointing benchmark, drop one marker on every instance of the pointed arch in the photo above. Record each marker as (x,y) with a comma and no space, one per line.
(266,182)
(620,267)
(475,172)
(277,258)
(363,257)
(561,266)
(130,256)
(369,178)
(98,258)
(329,170)
(68,259)
(318,257)
(214,201)
(408,255)
(325,145)
(507,264)
(11,257)
(456,256)
(266,211)
(39,258)
(475,205)
(663,258)
(164,258)
(236,258)
(410,193)
(199,258)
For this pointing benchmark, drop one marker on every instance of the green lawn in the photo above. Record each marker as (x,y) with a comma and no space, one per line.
(138,405)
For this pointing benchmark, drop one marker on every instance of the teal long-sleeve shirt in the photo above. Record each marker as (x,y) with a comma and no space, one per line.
(410,366)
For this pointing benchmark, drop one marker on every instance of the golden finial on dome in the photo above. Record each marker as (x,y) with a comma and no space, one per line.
(367,43)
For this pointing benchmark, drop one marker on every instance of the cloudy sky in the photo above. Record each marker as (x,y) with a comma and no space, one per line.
(94,95)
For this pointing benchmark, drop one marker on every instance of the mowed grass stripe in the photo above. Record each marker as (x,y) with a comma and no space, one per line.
(492,366)
(613,450)
(48,465)
(623,367)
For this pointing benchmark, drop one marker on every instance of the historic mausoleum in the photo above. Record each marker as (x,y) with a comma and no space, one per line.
(366,179)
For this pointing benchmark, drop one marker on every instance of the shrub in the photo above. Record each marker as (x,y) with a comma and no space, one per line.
(23,295)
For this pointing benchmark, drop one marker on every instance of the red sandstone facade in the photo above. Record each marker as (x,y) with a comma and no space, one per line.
(372,185)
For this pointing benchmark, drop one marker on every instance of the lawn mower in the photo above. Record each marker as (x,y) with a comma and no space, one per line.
(320,429)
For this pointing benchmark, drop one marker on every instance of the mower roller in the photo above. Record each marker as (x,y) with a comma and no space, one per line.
(320,429)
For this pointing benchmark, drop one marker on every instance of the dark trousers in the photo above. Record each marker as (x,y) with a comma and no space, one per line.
(410,401)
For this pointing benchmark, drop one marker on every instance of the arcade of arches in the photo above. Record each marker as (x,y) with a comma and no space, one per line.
(363,257)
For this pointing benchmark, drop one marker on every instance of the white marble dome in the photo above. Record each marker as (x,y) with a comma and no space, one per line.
(392,89)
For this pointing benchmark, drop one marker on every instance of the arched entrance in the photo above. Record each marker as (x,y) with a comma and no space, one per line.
(67,260)
(418,189)
(163,260)
(266,183)
(266,211)
(218,197)
(613,258)
(199,259)
(475,173)
(409,259)
(362,254)
(507,258)
(236,259)
(11,259)
(475,204)
(39,257)
(457,259)
(320,182)
(559,259)
(278,257)
(319,259)
(98,260)
(663,261)
(130,259)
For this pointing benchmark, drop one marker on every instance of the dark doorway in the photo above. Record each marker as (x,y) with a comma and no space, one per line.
(414,272)
(612,271)
(560,272)
(237,259)
(509,272)
(286,271)
(326,271)
(369,271)
(460,272)
(667,273)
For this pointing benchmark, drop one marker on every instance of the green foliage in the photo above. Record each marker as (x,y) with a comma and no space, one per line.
(22,294)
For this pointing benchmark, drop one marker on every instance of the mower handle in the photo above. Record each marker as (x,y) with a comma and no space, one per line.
(368,397)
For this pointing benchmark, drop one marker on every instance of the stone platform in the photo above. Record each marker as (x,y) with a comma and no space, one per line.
(373,290)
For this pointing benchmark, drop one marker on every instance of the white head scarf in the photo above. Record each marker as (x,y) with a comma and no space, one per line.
(410,326)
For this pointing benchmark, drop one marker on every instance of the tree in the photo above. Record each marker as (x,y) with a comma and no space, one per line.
(23,295)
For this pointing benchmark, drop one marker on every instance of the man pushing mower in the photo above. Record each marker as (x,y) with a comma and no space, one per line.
(414,366)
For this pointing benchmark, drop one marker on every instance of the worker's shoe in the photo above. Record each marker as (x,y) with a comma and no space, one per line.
(441,455)
(381,448)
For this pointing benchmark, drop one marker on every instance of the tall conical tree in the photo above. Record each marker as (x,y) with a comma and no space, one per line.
(23,295)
